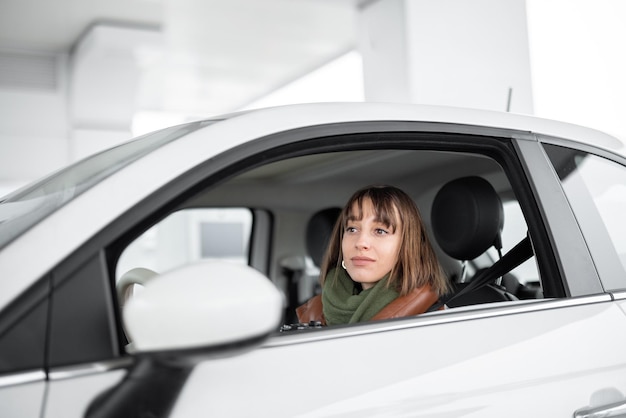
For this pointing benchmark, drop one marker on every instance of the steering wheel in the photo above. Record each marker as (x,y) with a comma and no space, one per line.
(138,275)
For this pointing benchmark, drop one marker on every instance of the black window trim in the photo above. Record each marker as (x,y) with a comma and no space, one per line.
(579,273)
(606,260)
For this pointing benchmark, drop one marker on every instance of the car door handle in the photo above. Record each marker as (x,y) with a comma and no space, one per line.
(613,410)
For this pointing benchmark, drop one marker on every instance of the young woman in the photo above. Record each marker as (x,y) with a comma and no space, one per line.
(379,263)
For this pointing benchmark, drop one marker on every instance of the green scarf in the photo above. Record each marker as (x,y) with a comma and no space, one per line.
(343,304)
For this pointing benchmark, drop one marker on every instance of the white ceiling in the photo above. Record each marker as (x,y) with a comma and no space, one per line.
(55,26)
(221,54)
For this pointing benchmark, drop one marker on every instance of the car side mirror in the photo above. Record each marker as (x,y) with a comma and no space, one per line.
(182,317)
(206,306)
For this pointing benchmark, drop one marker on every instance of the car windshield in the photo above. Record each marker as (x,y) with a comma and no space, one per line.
(25,207)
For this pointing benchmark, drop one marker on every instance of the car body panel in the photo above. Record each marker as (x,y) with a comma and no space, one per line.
(511,358)
(12,396)
(70,395)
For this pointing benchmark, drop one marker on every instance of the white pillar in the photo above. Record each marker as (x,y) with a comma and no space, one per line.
(106,69)
(468,53)
(33,128)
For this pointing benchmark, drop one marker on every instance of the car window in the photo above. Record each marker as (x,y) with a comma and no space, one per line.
(522,281)
(596,190)
(190,235)
(293,189)
(513,231)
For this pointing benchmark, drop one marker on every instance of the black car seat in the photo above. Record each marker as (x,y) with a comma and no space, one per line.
(467,219)
(318,231)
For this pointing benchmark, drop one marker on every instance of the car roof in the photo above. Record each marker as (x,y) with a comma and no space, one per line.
(324,113)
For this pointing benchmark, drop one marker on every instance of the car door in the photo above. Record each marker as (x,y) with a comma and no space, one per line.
(557,356)
(527,357)
(518,360)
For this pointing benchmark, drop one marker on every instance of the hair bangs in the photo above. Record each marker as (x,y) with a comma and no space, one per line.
(383,203)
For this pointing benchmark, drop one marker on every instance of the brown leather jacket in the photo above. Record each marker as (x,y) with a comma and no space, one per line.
(415,303)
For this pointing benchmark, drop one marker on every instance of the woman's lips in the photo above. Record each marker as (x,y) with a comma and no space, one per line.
(361,261)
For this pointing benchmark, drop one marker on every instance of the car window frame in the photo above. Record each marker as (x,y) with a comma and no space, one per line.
(497,143)
(435,318)
(594,230)
(292,147)
(578,272)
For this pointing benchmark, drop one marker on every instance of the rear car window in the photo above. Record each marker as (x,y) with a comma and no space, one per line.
(596,190)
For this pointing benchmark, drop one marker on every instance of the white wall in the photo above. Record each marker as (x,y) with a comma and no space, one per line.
(33,120)
(453,52)
(57,108)
(578,61)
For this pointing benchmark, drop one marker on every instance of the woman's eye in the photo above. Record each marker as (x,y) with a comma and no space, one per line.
(350,229)
(380,231)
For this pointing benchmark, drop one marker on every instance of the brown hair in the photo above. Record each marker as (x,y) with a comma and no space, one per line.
(417,264)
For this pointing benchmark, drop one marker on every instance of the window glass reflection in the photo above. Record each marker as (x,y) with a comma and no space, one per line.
(596,190)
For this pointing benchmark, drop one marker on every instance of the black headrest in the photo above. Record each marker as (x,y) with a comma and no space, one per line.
(467,217)
(318,232)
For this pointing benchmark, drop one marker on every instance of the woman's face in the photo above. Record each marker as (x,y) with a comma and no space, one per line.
(370,248)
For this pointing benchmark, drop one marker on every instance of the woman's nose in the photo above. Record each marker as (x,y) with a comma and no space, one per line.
(362,242)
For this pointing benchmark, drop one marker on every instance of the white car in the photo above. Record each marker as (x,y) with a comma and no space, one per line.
(159,278)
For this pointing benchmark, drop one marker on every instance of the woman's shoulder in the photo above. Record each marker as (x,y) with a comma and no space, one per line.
(415,302)
(311,310)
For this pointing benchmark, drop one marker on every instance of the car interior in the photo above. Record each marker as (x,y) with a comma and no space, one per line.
(277,217)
